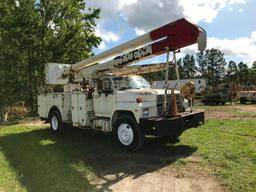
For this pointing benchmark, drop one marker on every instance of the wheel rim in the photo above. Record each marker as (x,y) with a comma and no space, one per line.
(54,123)
(125,134)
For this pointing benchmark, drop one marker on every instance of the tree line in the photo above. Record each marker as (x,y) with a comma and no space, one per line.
(34,32)
(212,66)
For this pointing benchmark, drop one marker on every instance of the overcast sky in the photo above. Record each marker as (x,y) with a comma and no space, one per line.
(230,24)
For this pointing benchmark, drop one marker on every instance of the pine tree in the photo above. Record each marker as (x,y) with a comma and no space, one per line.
(189,66)
(252,74)
(215,66)
(202,64)
(181,69)
(231,72)
(243,73)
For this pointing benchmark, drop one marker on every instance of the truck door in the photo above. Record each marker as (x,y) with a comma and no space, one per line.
(104,100)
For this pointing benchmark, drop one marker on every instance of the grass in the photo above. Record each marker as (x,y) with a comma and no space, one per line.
(229,148)
(32,158)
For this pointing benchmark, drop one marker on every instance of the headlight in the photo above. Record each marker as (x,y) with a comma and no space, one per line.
(145,112)
(186,103)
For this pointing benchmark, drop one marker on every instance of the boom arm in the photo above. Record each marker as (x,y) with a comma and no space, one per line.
(175,35)
(172,36)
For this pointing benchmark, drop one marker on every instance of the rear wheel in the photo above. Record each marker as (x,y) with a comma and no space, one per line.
(55,121)
(127,133)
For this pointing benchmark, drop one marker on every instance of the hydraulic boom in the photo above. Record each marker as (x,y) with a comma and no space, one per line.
(173,36)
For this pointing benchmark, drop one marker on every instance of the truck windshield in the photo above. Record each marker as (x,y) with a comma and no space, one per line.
(132,82)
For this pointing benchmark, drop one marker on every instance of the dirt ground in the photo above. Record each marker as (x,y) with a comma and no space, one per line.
(230,112)
(167,179)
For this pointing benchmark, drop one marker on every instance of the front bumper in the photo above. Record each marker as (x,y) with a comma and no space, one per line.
(173,126)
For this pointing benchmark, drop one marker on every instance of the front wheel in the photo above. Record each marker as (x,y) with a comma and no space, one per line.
(55,121)
(127,133)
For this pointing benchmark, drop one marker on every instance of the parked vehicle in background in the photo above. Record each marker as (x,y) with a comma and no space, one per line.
(247,96)
(215,98)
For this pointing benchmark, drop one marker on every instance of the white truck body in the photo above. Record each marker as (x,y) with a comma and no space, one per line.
(95,97)
(97,111)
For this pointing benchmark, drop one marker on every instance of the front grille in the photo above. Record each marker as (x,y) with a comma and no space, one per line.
(160,103)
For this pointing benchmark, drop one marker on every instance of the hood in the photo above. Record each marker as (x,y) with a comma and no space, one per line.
(146,94)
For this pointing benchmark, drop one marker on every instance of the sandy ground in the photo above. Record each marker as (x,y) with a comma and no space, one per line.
(246,108)
(231,112)
(192,178)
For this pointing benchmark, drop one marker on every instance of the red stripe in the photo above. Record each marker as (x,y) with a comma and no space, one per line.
(173,43)
(180,27)
(180,33)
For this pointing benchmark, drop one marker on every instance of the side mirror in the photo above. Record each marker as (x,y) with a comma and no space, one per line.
(202,39)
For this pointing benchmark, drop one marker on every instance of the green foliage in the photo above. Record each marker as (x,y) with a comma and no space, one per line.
(202,64)
(252,74)
(228,146)
(243,73)
(33,33)
(189,66)
(240,73)
(232,72)
(181,69)
(215,66)
(155,76)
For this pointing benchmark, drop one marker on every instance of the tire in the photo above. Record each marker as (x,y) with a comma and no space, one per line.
(242,101)
(55,121)
(223,103)
(127,134)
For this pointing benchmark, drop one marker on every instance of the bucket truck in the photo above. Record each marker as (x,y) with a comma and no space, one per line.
(104,93)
